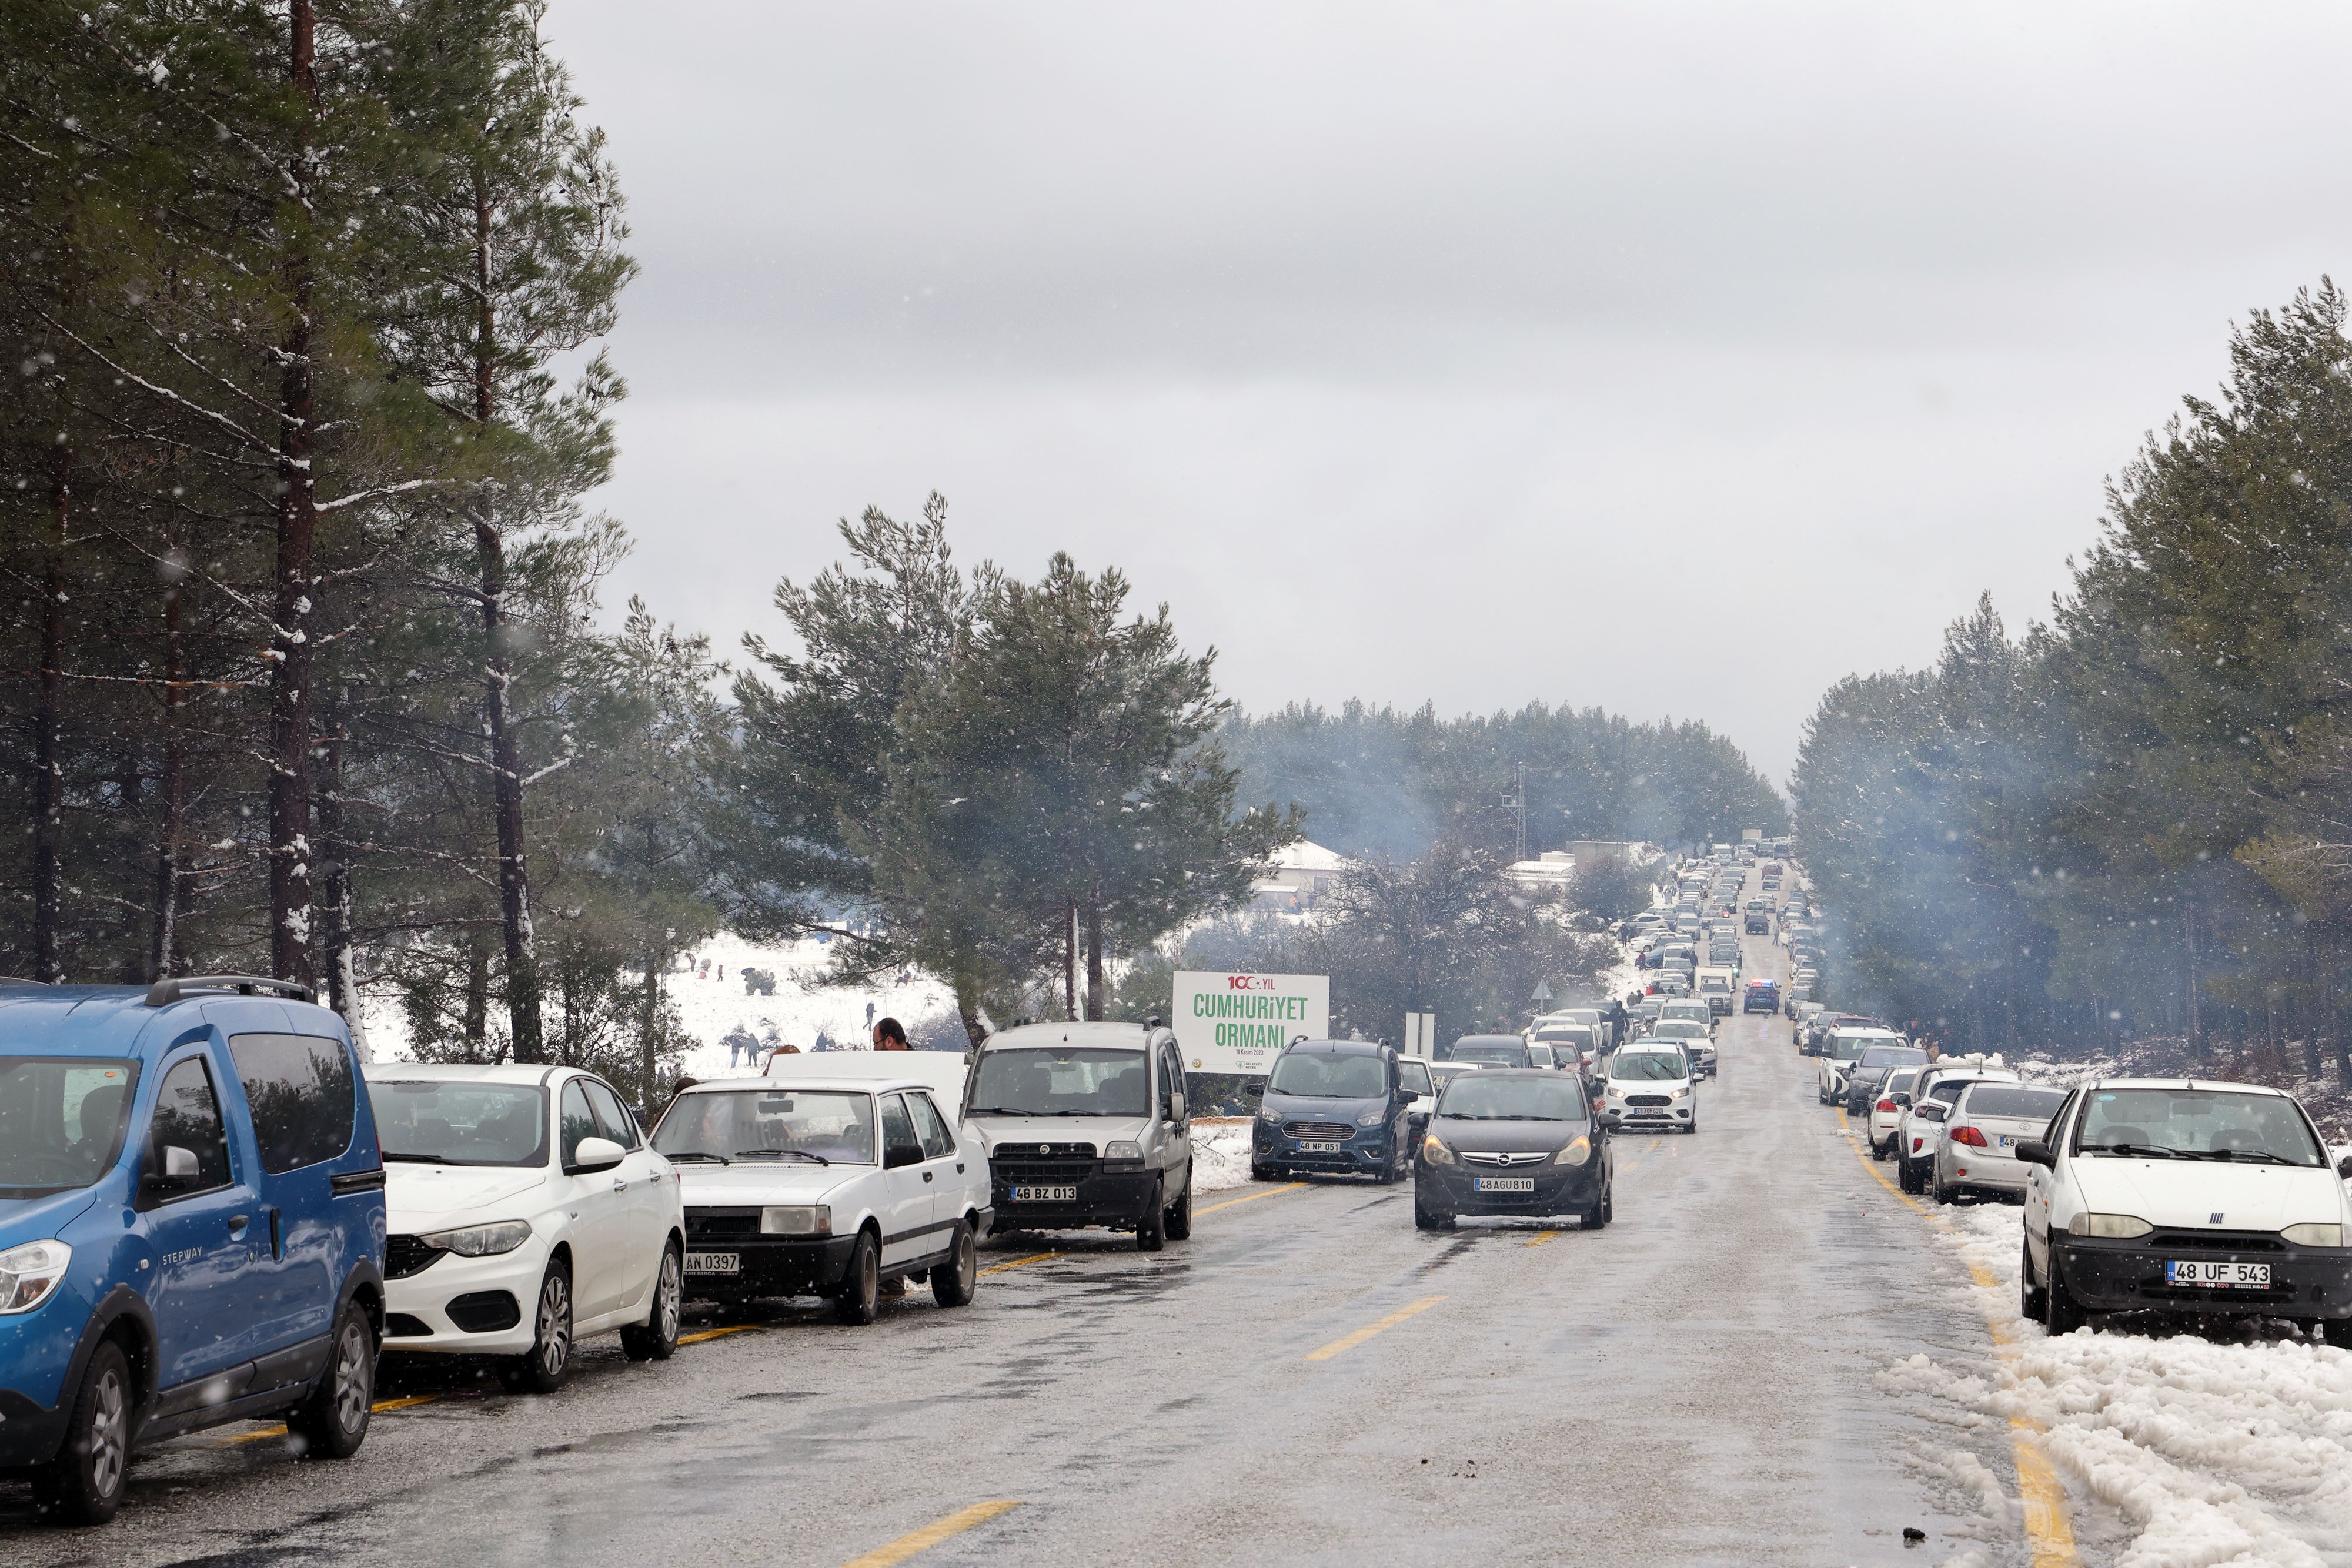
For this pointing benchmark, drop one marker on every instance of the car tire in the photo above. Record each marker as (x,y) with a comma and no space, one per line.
(84,1485)
(547,1365)
(2337,1331)
(1940,1191)
(955,1281)
(1905,1176)
(2033,1301)
(2061,1312)
(858,1301)
(1596,1217)
(1152,1225)
(1424,1218)
(1264,1173)
(1180,1213)
(655,1339)
(333,1421)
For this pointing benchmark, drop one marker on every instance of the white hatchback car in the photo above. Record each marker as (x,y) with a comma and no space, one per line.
(1886,1110)
(2213,1198)
(526,1212)
(825,1187)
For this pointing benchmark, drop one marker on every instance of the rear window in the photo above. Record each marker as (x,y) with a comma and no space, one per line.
(2027,1104)
(1892,1056)
(301,1089)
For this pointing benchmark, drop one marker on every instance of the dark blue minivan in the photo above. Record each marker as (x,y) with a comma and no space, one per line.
(1337,1105)
(191,1227)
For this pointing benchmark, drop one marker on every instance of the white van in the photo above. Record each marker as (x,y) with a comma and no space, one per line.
(1717,988)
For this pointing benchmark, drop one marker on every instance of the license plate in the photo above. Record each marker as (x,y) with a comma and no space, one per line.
(2218,1276)
(1318,1148)
(2007,1141)
(714,1262)
(1506,1184)
(1044,1195)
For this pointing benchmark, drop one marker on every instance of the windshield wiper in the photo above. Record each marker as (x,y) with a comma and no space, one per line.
(2260,1156)
(803,1153)
(418,1159)
(2155,1151)
(676,1155)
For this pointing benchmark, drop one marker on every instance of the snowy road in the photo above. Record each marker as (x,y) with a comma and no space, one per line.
(1705,1381)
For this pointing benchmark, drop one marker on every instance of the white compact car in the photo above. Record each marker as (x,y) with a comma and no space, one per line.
(526,1212)
(2213,1198)
(1841,1050)
(1977,1151)
(1695,1039)
(1886,1110)
(1649,1086)
(825,1187)
(1921,1129)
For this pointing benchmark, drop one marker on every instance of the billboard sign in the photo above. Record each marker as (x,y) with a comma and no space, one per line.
(1236,1023)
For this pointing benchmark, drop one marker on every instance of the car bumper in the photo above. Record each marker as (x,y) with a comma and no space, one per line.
(1559,1189)
(1634,1118)
(1364,1154)
(767,1266)
(1993,1175)
(31,1433)
(2128,1276)
(466,1306)
(1105,1197)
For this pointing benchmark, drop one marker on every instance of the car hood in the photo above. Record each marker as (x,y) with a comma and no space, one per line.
(1505,1137)
(2194,1195)
(26,1220)
(1320,1108)
(1099,1131)
(745,1184)
(412,1189)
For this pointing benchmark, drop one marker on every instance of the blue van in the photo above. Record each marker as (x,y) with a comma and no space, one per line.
(191,1227)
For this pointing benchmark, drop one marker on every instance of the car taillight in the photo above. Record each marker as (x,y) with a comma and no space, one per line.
(1886,1105)
(1969,1136)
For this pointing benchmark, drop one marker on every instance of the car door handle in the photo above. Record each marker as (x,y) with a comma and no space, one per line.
(239,1221)
(958,1167)
(620,1184)
(927,1176)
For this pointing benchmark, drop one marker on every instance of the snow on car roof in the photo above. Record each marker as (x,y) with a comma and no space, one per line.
(456,1071)
(807,1084)
(2226,1085)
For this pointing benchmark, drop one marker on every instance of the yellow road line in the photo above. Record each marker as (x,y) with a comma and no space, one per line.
(1350,1341)
(2049,1538)
(715,1333)
(278,1431)
(1019,1263)
(1542,1236)
(1251,1197)
(1653,1144)
(930,1535)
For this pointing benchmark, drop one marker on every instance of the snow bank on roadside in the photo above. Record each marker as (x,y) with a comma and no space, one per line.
(2231,1452)
(1221,1154)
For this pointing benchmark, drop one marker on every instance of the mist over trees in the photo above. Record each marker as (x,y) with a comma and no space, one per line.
(2133,821)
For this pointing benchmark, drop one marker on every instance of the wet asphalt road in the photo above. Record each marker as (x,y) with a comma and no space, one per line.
(1692,1385)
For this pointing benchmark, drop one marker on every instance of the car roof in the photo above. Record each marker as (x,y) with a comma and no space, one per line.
(1086,1036)
(2229,1085)
(114,1020)
(464,1071)
(807,1085)
(1489,1039)
(1335,1047)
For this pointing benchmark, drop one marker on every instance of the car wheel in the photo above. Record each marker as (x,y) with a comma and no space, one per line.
(859,1299)
(333,1421)
(1264,1173)
(84,1485)
(1905,1176)
(1596,1217)
(954,1281)
(1425,1218)
(655,1339)
(2031,1299)
(547,1364)
(1152,1225)
(2337,1331)
(2060,1314)
(1180,1213)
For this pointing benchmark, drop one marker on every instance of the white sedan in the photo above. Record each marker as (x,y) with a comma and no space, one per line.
(839,1188)
(526,1212)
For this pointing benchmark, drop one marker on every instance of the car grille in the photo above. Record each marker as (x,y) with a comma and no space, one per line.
(2214,1240)
(405,1255)
(1044,1173)
(1649,1100)
(714,1224)
(1044,1151)
(1506,1161)
(1324,1130)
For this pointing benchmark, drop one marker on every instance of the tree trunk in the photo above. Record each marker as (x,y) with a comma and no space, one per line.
(290,950)
(478,994)
(170,792)
(49,736)
(1070,960)
(649,1017)
(967,995)
(1096,989)
(337,941)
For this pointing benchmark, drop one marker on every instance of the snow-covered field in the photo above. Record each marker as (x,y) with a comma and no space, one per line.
(2234,1449)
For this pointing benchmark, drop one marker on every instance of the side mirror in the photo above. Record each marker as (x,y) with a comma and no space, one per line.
(179,1170)
(596,1155)
(2343,1168)
(902,1154)
(1176,1106)
(2034,1152)
(1254,1090)
(1933,1110)
(1901,1100)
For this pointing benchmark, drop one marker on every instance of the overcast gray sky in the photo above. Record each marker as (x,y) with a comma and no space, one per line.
(1673,359)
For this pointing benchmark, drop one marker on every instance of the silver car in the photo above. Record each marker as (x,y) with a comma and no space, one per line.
(1977,1153)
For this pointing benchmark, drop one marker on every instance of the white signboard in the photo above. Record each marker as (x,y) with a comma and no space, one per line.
(1236,1023)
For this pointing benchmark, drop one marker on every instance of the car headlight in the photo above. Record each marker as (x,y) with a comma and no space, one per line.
(1373,1117)
(30,1274)
(1268,1115)
(1122,1149)
(2301,1235)
(480,1240)
(2116,1226)
(1576,1154)
(1436,1152)
(797,1219)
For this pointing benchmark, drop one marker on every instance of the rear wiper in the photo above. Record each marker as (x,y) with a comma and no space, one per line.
(678,1154)
(803,1153)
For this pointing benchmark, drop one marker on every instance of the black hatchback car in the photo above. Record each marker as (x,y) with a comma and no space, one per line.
(1512,1142)
(1335,1106)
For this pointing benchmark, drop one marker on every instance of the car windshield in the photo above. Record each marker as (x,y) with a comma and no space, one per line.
(827,1126)
(1499,1097)
(2023,1104)
(2198,1123)
(1506,1055)
(1323,1076)
(1892,1056)
(1061,1081)
(1846,1047)
(460,1124)
(1648,1065)
(60,1121)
